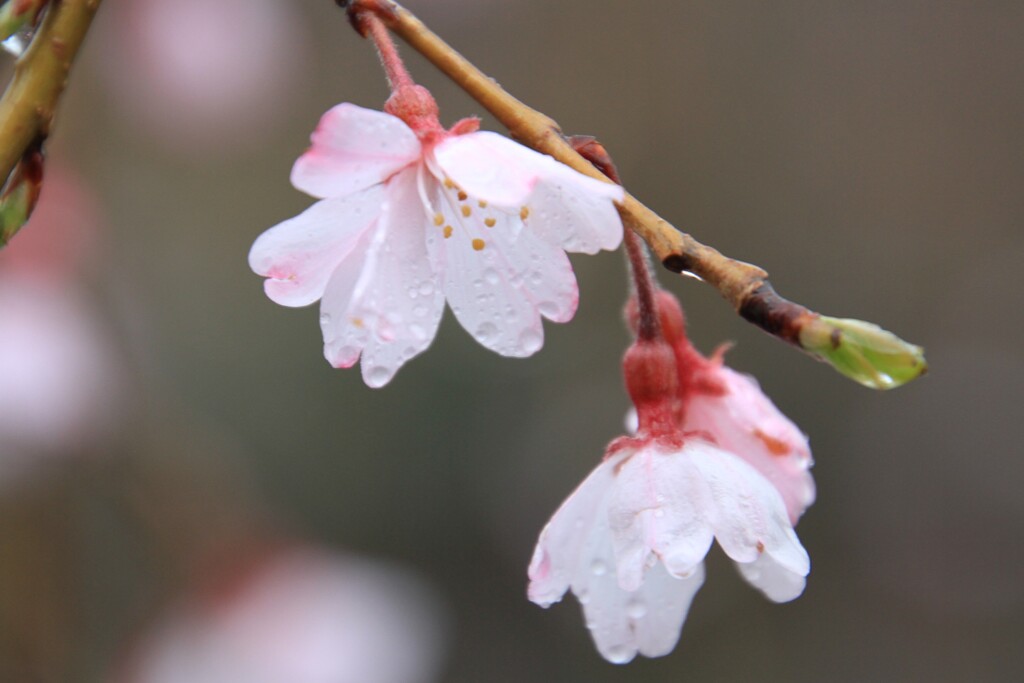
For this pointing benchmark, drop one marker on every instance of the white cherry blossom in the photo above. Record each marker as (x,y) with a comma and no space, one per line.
(409,219)
(631,540)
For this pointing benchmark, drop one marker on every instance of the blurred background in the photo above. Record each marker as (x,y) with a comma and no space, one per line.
(186,485)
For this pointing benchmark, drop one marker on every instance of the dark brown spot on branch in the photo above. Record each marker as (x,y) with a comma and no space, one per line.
(677,263)
(775,315)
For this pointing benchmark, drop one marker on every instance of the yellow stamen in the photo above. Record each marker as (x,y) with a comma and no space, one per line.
(466,211)
(447,231)
(463,196)
(489,222)
(524,212)
(478,244)
(438,219)
(482,203)
(448,183)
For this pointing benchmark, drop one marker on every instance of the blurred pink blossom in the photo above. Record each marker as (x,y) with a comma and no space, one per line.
(59,375)
(207,75)
(299,616)
(411,216)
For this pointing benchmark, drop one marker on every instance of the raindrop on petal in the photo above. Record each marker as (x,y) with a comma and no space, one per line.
(486,332)
(379,376)
(636,609)
(531,341)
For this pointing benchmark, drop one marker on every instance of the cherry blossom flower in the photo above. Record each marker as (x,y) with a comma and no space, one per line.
(731,407)
(412,216)
(301,616)
(631,540)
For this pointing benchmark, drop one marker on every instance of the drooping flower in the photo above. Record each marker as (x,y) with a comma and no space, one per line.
(730,406)
(412,216)
(631,540)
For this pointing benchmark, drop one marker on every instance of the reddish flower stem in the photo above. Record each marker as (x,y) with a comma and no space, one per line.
(648,324)
(394,67)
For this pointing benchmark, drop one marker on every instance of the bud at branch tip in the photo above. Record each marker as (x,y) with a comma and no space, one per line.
(864,352)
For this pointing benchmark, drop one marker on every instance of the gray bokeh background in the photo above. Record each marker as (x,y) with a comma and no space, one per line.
(869,155)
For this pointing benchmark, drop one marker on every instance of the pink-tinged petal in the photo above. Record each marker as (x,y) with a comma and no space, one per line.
(492,167)
(498,278)
(575,212)
(571,541)
(771,578)
(390,311)
(744,421)
(354,148)
(299,255)
(657,511)
(749,517)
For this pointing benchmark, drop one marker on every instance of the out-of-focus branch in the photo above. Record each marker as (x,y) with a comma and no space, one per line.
(861,351)
(28,105)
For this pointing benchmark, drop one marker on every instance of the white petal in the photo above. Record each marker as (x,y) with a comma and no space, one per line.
(300,254)
(749,514)
(566,208)
(577,524)
(498,278)
(647,621)
(354,148)
(667,600)
(575,212)
(771,578)
(492,167)
(391,311)
(660,509)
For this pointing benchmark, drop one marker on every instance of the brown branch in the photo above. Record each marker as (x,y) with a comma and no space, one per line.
(27,106)
(744,286)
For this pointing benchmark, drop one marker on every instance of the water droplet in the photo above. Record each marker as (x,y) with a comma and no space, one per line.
(18,42)
(548,309)
(412,292)
(659,513)
(511,315)
(636,609)
(478,283)
(618,654)
(598,568)
(535,277)
(419,311)
(485,332)
(531,341)
(378,376)
(426,288)
(491,276)
(347,355)
(325,319)
(417,331)
(583,596)
(386,330)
